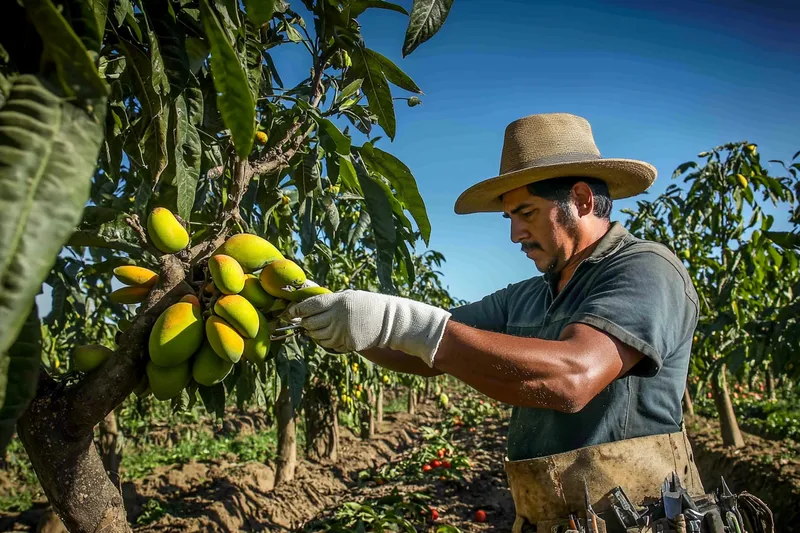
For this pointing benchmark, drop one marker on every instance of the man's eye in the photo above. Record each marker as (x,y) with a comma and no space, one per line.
(528,214)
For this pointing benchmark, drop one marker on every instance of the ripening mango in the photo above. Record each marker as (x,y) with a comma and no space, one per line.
(192,299)
(255,293)
(239,313)
(168,382)
(224,339)
(262,137)
(90,356)
(251,251)
(281,277)
(208,368)
(129,295)
(176,335)
(166,232)
(227,274)
(307,292)
(135,276)
(256,349)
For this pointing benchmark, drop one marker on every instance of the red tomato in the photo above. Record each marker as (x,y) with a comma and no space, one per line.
(446,464)
(434,514)
(441,453)
(436,463)
(480,515)
(426,468)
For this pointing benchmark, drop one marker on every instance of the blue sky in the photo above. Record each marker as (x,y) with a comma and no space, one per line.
(657,83)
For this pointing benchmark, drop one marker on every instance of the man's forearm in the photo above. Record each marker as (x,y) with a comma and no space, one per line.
(562,375)
(399,362)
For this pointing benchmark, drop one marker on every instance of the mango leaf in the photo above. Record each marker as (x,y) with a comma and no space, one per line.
(307,175)
(292,370)
(245,384)
(19,368)
(427,17)
(400,176)
(259,11)
(214,399)
(254,59)
(172,56)
(357,231)
(234,99)
(121,10)
(48,152)
(308,230)
(186,158)
(76,69)
(349,91)
(340,141)
(347,173)
(380,213)
(784,239)
(88,21)
(393,72)
(359,6)
(376,88)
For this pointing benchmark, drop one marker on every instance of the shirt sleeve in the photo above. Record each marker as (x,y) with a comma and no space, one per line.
(645,301)
(489,313)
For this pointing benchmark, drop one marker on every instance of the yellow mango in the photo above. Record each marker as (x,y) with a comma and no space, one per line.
(239,313)
(281,277)
(307,292)
(261,137)
(255,293)
(192,299)
(166,232)
(251,251)
(168,382)
(129,295)
(209,369)
(90,356)
(224,339)
(227,274)
(256,349)
(135,276)
(176,335)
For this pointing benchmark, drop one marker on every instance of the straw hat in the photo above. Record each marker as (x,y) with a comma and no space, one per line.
(553,145)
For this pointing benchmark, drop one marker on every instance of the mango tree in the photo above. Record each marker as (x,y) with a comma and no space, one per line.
(117,115)
(714,223)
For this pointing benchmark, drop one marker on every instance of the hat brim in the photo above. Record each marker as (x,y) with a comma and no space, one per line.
(625,178)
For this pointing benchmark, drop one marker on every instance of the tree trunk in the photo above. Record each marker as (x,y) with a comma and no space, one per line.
(731,435)
(68,466)
(286,463)
(770,384)
(379,406)
(688,406)
(322,424)
(110,448)
(412,401)
(427,395)
(367,416)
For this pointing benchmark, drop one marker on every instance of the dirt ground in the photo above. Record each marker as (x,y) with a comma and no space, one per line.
(222,496)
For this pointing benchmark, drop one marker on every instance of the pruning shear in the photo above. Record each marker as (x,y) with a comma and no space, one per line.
(295,324)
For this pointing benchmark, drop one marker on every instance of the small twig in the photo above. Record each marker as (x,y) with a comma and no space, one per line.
(144,242)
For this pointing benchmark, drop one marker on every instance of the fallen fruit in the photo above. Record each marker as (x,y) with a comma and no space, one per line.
(435,463)
(480,515)
(426,468)
(434,514)
(166,232)
(90,356)
(135,276)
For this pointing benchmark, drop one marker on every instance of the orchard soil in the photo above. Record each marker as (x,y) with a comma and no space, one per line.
(224,496)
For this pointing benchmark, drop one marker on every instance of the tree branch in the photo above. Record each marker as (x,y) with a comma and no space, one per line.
(88,402)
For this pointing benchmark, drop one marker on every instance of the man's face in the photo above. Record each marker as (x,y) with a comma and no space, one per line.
(548,234)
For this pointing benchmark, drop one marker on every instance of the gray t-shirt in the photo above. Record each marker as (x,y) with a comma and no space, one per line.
(634,289)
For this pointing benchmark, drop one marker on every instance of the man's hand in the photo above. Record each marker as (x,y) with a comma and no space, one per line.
(358,320)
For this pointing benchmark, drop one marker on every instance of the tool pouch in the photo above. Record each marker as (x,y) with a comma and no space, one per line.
(547,489)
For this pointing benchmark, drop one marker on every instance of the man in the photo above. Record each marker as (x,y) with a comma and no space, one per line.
(593,351)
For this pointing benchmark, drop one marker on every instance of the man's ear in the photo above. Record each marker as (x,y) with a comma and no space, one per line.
(583,197)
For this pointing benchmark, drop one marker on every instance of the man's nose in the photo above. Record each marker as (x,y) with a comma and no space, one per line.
(518,232)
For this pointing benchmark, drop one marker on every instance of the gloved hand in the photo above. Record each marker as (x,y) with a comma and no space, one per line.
(357,320)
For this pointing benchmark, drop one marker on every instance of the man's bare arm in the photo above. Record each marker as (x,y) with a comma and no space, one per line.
(400,362)
(564,374)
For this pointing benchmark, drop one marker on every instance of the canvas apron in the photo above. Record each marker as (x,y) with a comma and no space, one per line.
(547,489)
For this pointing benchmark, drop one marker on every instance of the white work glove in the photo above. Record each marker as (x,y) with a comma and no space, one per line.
(351,321)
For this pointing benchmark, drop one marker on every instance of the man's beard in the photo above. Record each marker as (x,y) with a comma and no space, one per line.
(566,219)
